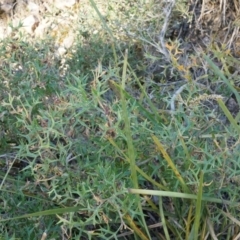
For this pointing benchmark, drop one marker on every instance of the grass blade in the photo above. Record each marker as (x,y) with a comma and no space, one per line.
(170,163)
(131,150)
(165,229)
(44,213)
(160,186)
(228,115)
(135,228)
(198,207)
(221,75)
(182,195)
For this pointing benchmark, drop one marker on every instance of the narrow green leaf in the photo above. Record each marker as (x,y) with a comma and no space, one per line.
(221,75)
(165,228)
(198,207)
(44,213)
(182,195)
(170,163)
(228,114)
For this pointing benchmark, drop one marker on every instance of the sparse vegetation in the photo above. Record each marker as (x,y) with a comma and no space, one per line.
(126,129)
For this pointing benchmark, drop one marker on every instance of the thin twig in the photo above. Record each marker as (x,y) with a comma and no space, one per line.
(167,11)
(175,95)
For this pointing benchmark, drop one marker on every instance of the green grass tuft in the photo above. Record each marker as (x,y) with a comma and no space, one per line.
(119,138)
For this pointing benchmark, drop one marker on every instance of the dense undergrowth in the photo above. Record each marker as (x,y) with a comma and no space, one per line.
(120,140)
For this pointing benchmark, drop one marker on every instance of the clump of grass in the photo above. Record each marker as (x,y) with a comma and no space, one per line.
(97,152)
